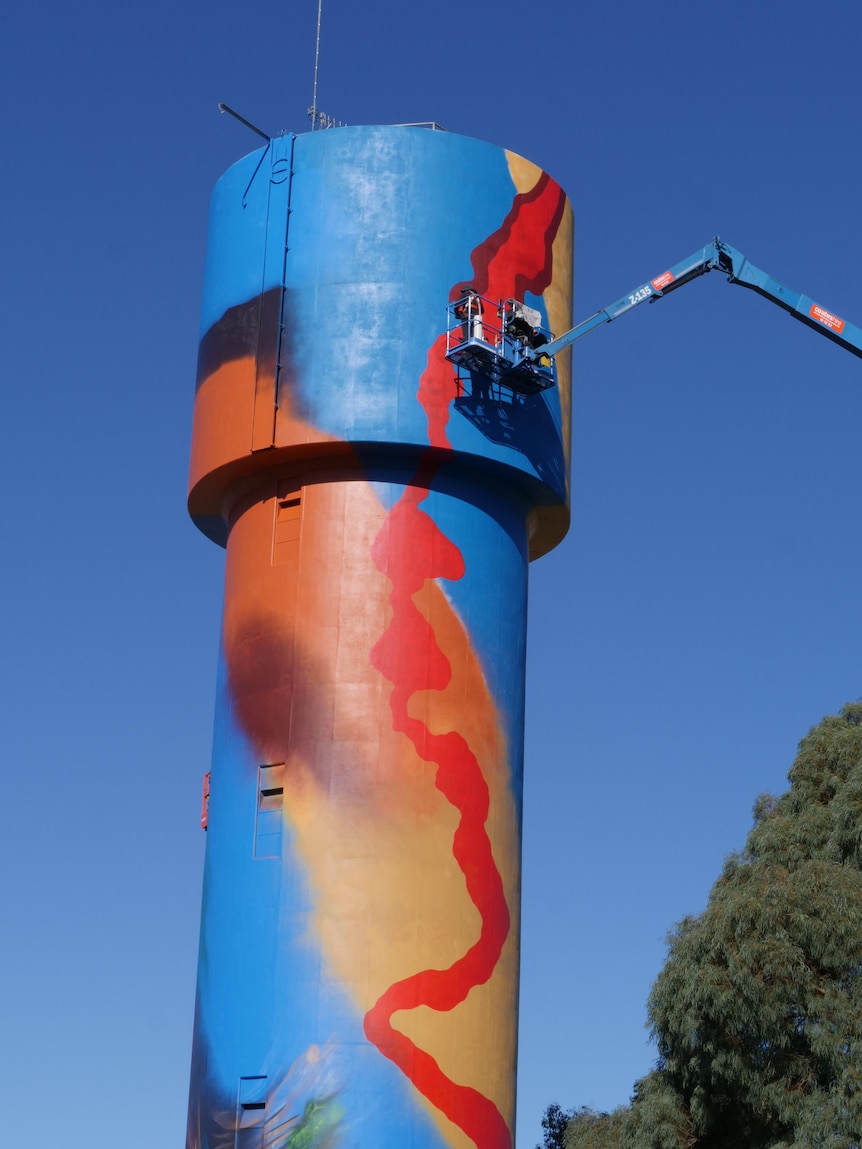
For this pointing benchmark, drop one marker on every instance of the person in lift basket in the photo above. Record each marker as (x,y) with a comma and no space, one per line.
(470,309)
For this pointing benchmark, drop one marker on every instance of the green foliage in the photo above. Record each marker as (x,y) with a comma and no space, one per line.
(590,1130)
(656,1119)
(554,1124)
(757,1013)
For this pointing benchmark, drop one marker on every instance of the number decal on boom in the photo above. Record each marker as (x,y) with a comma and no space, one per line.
(641,294)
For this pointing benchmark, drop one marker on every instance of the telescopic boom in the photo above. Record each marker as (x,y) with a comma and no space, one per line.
(721,257)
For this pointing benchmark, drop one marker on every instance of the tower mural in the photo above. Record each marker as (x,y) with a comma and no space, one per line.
(358,967)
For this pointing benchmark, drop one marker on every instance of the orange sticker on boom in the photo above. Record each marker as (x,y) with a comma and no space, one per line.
(662,280)
(826,318)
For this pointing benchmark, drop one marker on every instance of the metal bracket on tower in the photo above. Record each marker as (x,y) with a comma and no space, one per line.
(224,108)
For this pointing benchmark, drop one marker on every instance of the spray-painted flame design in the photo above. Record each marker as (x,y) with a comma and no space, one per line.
(515,259)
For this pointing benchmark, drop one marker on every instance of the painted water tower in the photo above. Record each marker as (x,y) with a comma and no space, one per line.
(359,950)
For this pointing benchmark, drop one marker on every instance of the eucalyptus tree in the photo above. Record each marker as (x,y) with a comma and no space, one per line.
(757,1013)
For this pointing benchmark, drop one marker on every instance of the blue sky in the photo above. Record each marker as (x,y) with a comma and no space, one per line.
(699,618)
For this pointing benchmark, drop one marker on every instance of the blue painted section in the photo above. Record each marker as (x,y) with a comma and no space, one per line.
(264,998)
(382,226)
(247,230)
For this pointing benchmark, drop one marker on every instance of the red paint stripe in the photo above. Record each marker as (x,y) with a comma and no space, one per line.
(429,554)
(516,258)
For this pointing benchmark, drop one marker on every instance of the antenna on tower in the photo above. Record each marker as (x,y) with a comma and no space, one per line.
(312,111)
(319,119)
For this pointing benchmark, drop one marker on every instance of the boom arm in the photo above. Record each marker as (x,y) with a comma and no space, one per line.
(724,258)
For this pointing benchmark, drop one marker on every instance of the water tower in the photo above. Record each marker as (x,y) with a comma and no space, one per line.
(359,950)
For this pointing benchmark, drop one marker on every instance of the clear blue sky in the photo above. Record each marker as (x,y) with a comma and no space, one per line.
(700,617)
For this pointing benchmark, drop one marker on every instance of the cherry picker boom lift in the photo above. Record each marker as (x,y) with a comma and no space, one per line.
(518,354)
